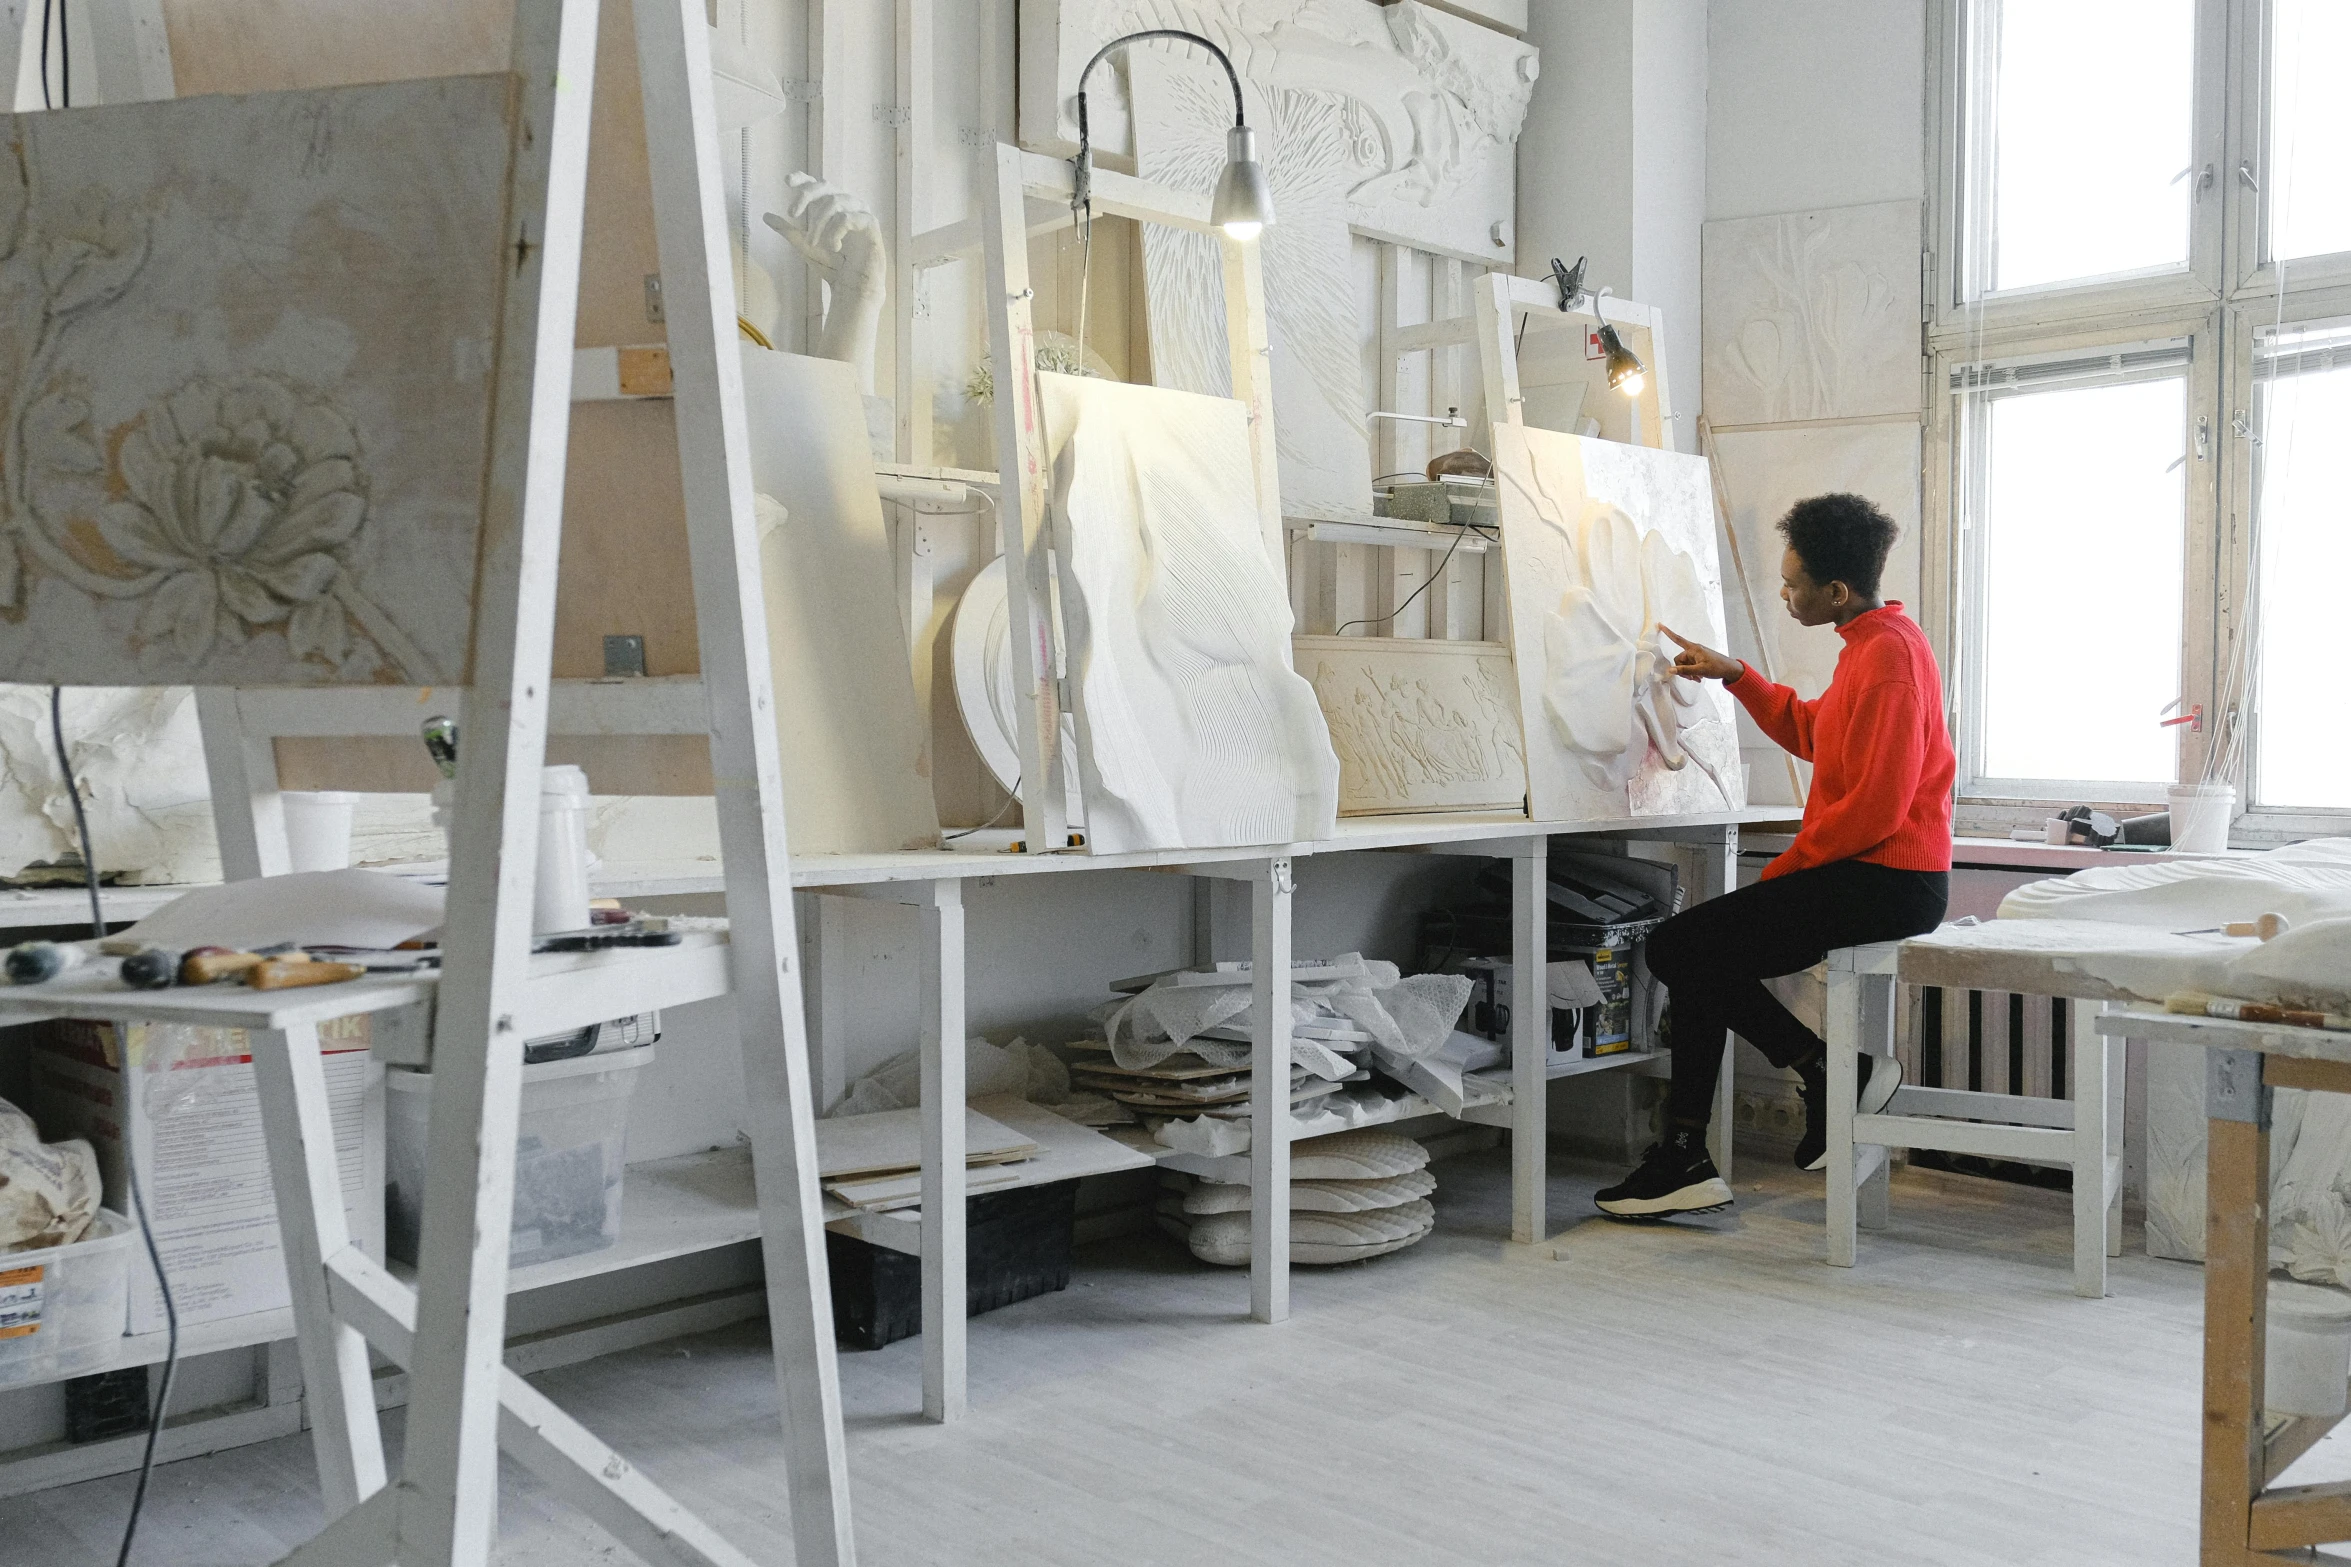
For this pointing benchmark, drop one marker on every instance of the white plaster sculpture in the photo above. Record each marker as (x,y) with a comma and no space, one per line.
(985,694)
(1193,731)
(1315,1238)
(856,756)
(139,758)
(1603,543)
(1811,315)
(1398,122)
(247,417)
(1419,724)
(838,235)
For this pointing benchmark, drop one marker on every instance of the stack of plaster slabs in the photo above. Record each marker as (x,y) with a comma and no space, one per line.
(1193,731)
(1353,1195)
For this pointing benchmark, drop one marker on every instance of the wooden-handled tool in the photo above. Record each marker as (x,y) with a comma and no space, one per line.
(284,973)
(207,965)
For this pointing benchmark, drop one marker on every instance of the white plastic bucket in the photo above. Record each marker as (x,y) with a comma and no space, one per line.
(561,900)
(2200,817)
(2309,1363)
(62,1308)
(318,828)
(570,1150)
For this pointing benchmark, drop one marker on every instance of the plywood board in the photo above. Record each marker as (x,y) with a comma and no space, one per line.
(856,754)
(1193,730)
(1419,725)
(1811,315)
(890,1140)
(1602,543)
(250,429)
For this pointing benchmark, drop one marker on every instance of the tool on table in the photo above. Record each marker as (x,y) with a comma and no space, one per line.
(209,965)
(288,972)
(653,932)
(2269,928)
(2195,1003)
(36,961)
(440,742)
(151,968)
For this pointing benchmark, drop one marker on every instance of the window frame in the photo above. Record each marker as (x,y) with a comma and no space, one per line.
(2228,294)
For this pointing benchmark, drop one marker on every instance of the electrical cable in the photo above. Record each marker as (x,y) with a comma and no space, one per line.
(47,6)
(171,1313)
(1002,811)
(1426,583)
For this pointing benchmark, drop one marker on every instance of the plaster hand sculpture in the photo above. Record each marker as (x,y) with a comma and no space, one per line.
(839,236)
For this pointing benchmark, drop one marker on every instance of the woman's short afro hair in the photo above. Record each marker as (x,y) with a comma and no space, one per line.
(1841,538)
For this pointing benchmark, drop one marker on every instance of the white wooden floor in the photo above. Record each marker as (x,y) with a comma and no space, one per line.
(1711,1394)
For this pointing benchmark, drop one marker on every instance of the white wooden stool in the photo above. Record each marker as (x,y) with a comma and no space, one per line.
(2083,1134)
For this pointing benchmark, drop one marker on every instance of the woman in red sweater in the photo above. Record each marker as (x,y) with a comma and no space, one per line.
(1872,862)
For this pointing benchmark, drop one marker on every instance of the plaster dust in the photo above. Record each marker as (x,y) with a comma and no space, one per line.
(1193,730)
(1603,543)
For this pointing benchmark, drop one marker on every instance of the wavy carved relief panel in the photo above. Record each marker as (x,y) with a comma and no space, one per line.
(246,351)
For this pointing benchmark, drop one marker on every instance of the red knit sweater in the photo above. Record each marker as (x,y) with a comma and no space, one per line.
(1881,756)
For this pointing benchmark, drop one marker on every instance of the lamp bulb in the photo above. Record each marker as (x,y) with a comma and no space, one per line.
(1243,232)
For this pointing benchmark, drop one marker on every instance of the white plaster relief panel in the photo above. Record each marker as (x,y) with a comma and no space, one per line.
(1603,543)
(1811,315)
(1419,725)
(248,346)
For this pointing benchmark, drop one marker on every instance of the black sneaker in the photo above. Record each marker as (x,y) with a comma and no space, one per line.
(1871,1094)
(1675,1177)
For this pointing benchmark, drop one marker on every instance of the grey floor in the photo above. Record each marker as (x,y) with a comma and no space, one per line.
(1708,1393)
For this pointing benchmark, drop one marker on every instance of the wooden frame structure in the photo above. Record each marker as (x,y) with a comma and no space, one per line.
(2246,1520)
(1026,194)
(449,1330)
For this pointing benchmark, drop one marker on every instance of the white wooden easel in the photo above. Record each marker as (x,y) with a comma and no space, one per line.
(449,1330)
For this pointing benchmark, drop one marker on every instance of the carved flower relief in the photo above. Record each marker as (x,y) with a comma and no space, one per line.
(1610,669)
(246,494)
(91,253)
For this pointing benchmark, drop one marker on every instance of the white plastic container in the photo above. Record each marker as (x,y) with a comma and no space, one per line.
(2309,1361)
(2200,817)
(318,828)
(62,1309)
(561,900)
(568,1155)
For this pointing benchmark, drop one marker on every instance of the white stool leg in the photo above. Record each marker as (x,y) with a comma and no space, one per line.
(2115,1058)
(1844,1033)
(2086,1054)
(1874,1194)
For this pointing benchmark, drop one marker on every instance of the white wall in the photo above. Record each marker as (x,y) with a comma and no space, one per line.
(1612,163)
(1813,103)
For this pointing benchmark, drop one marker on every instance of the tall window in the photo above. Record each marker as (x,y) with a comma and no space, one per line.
(2139,493)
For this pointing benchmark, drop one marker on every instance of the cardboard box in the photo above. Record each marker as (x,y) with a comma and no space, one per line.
(185,1098)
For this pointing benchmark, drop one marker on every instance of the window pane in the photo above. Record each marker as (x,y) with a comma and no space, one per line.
(2096,103)
(2304,522)
(2084,517)
(2310,128)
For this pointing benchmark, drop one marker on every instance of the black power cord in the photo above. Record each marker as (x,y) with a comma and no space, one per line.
(1426,582)
(171,1313)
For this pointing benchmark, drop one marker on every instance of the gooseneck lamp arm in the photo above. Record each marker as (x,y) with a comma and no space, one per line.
(1243,203)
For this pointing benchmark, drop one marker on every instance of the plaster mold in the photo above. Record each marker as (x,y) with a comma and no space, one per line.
(1811,315)
(1398,122)
(1603,543)
(856,756)
(985,693)
(139,756)
(248,384)
(1419,725)
(1193,731)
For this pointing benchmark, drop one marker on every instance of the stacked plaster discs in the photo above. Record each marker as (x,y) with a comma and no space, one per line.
(1352,1195)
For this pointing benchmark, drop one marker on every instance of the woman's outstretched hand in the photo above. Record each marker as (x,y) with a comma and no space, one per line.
(1696,661)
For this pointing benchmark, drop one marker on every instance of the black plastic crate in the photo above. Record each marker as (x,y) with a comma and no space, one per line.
(1016,1246)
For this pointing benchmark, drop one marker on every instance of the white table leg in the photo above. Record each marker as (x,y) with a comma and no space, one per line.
(944,1284)
(1844,1035)
(299,1132)
(2086,1055)
(1530,1040)
(1719,874)
(1269,1092)
(2117,1057)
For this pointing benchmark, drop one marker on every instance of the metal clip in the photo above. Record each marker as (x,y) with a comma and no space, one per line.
(2233,1089)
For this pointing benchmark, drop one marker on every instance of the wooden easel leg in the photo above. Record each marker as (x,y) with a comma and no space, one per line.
(2087,1053)
(1269,1092)
(681,134)
(297,1127)
(2236,1285)
(945,1296)
(1530,1041)
(247,813)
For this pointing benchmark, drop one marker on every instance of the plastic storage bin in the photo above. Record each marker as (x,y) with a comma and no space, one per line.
(62,1308)
(2309,1353)
(567,1161)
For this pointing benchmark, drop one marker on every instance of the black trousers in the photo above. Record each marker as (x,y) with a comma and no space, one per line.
(1714,958)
